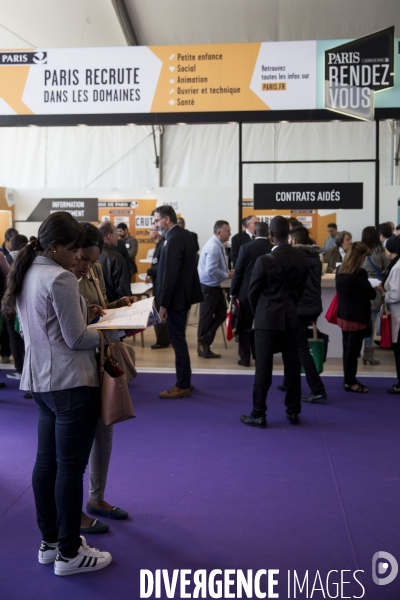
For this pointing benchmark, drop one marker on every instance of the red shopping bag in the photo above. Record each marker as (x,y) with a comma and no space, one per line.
(331,313)
(232,317)
(386,328)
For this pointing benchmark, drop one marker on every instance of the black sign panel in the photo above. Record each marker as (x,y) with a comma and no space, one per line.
(279,196)
(83,209)
(357,69)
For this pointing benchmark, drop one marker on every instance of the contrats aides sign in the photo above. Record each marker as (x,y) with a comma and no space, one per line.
(279,196)
(356,70)
(269,76)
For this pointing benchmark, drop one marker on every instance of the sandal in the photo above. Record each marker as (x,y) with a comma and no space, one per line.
(394,389)
(360,389)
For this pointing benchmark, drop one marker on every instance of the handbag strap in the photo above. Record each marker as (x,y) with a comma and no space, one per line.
(96,283)
(377,271)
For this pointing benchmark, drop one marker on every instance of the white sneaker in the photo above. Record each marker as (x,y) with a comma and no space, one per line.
(14,375)
(88,559)
(47,553)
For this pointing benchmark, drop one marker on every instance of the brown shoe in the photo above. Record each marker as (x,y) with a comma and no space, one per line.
(175,392)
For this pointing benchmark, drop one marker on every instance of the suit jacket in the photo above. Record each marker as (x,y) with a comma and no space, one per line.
(123,250)
(276,285)
(248,255)
(152,271)
(178,284)
(59,349)
(237,241)
(332,257)
(116,274)
(195,240)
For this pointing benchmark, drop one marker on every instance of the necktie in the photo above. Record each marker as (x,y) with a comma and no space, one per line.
(253,237)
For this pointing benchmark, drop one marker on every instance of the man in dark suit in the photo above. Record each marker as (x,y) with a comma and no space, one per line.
(178,287)
(244,237)
(161,329)
(276,284)
(181,223)
(248,255)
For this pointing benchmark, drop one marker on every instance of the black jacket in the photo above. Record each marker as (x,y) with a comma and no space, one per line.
(237,241)
(116,274)
(178,284)
(248,255)
(310,303)
(152,271)
(276,285)
(354,294)
(195,240)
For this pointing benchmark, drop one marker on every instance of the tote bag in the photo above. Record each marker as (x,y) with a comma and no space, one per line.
(331,313)
(115,404)
(316,346)
(386,327)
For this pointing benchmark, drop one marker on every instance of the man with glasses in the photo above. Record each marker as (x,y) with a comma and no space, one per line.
(177,288)
(115,270)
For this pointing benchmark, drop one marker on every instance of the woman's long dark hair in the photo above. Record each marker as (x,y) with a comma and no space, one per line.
(370,237)
(59,228)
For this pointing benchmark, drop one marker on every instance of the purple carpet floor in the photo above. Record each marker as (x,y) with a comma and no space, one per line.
(204,492)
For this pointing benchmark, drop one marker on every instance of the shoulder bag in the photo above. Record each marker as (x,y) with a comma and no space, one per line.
(386,327)
(116,404)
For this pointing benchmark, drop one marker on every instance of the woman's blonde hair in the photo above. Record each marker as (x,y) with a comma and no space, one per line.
(354,258)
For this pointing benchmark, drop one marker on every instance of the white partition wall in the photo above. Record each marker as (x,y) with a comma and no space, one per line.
(199,165)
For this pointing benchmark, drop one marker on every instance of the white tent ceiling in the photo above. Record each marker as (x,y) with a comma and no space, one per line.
(76,23)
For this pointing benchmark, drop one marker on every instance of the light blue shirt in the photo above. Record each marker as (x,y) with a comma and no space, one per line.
(212,265)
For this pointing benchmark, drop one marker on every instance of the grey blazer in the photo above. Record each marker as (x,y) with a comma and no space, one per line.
(59,349)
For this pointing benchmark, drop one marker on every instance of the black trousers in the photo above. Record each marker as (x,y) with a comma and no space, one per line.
(352,343)
(396,352)
(5,341)
(161,329)
(17,345)
(306,360)
(212,313)
(177,333)
(268,343)
(245,323)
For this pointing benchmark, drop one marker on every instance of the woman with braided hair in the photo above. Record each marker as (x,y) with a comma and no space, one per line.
(60,370)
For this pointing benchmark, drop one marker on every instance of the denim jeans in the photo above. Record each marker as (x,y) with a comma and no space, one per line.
(66,427)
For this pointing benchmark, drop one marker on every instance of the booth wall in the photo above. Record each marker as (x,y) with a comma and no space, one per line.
(199,165)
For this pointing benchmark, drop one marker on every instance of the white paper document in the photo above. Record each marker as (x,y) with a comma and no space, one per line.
(374,282)
(140,315)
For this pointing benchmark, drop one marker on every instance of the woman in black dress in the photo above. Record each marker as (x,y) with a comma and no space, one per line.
(354,311)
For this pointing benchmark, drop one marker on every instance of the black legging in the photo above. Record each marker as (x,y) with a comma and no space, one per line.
(352,342)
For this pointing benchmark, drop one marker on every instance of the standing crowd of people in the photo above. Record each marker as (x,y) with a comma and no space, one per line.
(65,277)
